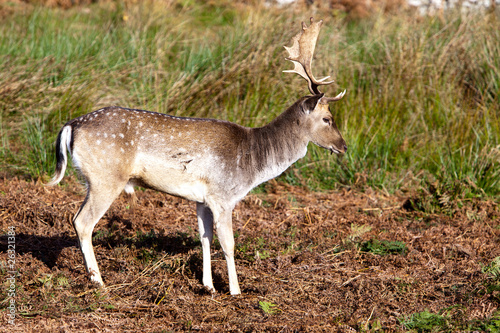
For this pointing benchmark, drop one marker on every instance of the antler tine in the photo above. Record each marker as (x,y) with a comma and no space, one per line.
(326,100)
(301,54)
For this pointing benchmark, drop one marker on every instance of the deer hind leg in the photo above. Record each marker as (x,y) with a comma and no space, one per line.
(206,225)
(93,208)
(224,228)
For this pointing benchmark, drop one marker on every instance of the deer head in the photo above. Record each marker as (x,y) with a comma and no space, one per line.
(324,131)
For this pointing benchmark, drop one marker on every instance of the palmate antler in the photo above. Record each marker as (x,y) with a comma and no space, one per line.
(301,54)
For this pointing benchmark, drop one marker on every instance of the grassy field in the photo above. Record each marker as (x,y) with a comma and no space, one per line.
(421,110)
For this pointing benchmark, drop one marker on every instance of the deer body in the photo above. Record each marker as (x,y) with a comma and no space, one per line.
(212,162)
(192,158)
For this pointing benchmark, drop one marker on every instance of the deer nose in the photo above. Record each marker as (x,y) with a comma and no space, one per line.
(345,147)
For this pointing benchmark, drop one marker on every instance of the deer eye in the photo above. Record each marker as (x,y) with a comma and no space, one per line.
(327,120)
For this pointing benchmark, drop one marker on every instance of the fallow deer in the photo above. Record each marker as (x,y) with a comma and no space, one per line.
(212,162)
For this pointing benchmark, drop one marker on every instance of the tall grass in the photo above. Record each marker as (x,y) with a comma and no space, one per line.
(422,104)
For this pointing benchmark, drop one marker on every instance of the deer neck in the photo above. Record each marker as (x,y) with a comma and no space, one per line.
(274,147)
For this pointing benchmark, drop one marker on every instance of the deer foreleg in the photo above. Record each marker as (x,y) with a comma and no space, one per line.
(226,238)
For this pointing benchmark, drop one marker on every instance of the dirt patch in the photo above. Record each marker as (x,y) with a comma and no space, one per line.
(305,263)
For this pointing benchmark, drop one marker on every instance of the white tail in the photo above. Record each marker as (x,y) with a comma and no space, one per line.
(62,146)
(213,162)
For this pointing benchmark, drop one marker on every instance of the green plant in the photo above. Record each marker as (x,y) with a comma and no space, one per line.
(493,269)
(357,231)
(424,321)
(61,281)
(46,280)
(383,247)
(269,308)
(491,324)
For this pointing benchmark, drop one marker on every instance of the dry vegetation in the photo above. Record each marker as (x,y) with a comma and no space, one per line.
(309,262)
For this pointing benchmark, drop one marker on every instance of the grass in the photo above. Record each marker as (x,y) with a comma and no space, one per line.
(383,247)
(426,321)
(421,110)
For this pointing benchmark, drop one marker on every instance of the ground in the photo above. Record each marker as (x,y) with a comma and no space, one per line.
(307,262)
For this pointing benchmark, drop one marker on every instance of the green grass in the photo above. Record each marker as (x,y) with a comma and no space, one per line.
(383,247)
(422,105)
(448,321)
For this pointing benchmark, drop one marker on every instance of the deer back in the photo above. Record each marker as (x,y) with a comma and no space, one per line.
(155,150)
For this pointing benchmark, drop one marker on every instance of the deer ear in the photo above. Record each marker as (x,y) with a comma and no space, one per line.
(309,104)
